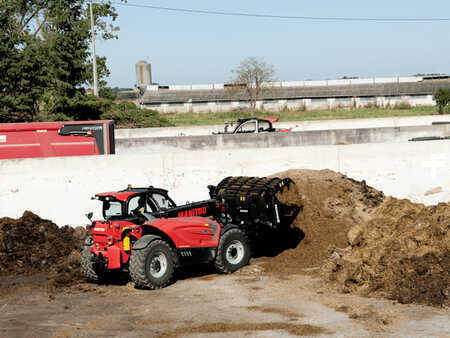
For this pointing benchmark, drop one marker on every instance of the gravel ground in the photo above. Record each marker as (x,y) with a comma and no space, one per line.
(202,303)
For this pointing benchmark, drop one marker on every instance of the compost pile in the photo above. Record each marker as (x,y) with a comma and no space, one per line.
(30,245)
(402,253)
(331,205)
(367,243)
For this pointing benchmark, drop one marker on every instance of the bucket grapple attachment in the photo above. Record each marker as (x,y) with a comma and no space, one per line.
(253,200)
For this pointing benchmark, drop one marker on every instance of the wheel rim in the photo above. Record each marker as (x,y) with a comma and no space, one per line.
(158,265)
(235,252)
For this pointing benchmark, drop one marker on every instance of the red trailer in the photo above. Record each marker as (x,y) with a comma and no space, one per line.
(48,139)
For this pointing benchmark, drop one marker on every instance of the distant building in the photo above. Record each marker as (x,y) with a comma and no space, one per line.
(308,95)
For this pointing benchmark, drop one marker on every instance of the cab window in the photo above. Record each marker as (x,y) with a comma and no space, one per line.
(137,202)
(247,127)
(162,202)
(112,209)
(263,126)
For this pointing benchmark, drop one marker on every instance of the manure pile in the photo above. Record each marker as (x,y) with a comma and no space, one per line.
(331,205)
(367,243)
(30,245)
(401,253)
(362,241)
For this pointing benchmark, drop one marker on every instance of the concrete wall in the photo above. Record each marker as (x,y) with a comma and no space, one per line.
(294,125)
(274,140)
(296,104)
(59,189)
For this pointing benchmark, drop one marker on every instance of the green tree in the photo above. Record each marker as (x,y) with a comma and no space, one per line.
(45,58)
(22,78)
(442,98)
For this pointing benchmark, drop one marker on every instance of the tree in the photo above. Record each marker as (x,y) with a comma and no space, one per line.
(253,75)
(442,98)
(21,77)
(45,57)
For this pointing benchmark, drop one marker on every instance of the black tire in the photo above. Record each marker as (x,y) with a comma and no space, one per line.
(233,252)
(152,267)
(88,268)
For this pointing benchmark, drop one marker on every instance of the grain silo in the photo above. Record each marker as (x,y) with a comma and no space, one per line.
(143,74)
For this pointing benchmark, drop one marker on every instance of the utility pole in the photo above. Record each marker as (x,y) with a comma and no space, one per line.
(94,57)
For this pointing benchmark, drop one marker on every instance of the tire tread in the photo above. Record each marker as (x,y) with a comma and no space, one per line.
(220,260)
(137,266)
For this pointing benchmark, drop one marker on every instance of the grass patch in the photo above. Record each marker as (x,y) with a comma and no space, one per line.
(199,119)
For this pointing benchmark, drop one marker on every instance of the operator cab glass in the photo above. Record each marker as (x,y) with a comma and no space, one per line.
(162,202)
(112,209)
(138,204)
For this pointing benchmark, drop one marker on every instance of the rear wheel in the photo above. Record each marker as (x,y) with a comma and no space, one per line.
(153,266)
(92,272)
(233,252)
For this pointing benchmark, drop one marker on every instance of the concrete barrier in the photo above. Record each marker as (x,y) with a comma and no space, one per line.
(274,140)
(59,189)
(295,125)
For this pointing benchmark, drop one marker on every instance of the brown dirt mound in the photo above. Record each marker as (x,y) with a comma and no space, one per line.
(367,243)
(402,253)
(30,245)
(331,205)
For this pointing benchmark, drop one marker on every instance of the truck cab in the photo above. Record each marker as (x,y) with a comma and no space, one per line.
(253,125)
(127,203)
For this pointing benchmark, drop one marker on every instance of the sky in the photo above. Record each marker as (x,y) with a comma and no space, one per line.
(185,48)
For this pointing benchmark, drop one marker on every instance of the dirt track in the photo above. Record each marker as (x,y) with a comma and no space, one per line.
(246,303)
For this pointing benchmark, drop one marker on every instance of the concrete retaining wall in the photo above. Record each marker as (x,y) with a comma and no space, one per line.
(295,126)
(59,189)
(293,104)
(274,140)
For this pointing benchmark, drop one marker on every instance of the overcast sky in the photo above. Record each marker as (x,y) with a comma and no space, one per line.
(198,48)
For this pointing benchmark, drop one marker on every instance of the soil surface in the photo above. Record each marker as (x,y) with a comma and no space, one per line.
(358,257)
(247,303)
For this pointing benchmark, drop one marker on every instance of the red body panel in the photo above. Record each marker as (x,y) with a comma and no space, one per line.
(186,232)
(108,242)
(41,139)
(271,119)
(121,196)
(189,232)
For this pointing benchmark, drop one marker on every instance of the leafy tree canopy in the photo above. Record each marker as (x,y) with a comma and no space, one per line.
(45,58)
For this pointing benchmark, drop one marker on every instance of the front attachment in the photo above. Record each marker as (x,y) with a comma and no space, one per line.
(253,200)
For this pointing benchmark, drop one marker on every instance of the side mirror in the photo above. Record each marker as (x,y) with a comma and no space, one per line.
(225,129)
(89,216)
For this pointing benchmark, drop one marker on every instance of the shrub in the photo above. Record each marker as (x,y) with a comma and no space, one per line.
(442,98)
(128,115)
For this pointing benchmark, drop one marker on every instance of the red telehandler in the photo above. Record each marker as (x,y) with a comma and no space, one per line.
(147,234)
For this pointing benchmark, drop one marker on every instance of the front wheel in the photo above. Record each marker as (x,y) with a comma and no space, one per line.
(92,271)
(153,266)
(233,252)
